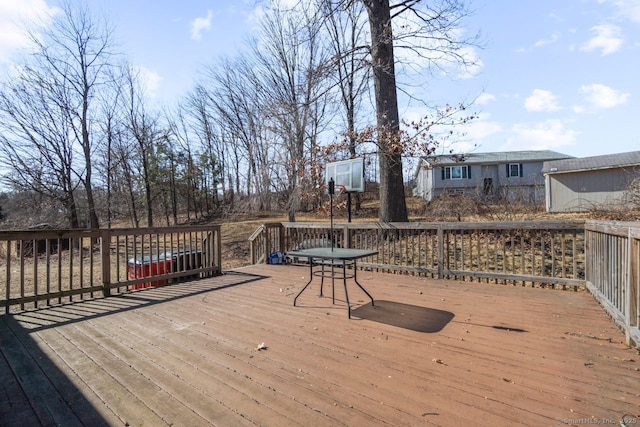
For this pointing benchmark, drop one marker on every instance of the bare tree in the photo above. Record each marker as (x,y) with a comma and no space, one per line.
(77,53)
(430,33)
(69,64)
(392,197)
(35,143)
(238,111)
(142,126)
(190,138)
(632,193)
(112,133)
(203,124)
(346,31)
(351,71)
(292,64)
(125,172)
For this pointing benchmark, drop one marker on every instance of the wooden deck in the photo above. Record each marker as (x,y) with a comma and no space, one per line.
(232,351)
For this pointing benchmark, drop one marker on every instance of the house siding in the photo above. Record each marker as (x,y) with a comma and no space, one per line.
(423,187)
(583,191)
(487,181)
(488,177)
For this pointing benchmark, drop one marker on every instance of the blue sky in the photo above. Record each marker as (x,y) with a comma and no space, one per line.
(552,74)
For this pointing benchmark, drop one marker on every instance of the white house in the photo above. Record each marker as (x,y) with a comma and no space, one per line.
(510,175)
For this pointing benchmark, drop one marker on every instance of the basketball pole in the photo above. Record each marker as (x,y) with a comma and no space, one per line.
(332,188)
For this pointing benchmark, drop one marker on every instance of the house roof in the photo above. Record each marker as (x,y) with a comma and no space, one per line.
(592,163)
(496,158)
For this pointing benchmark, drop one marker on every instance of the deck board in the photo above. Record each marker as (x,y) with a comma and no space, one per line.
(430,352)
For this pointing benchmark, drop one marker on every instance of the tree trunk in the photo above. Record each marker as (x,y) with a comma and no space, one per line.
(147,187)
(94,224)
(72,211)
(393,206)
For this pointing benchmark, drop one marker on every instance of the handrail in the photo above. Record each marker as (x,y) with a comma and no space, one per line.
(601,256)
(550,252)
(262,241)
(55,266)
(613,272)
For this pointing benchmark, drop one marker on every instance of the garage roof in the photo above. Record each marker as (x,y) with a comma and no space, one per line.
(608,161)
(496,158)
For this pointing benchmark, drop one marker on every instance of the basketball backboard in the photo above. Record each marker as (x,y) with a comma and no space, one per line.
(348,175)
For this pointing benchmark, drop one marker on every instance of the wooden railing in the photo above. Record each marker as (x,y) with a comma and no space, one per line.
(613,277)
(265,240)
(538,252)
(603,257)
(52,267)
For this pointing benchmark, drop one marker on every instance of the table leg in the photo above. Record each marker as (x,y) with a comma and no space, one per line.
(308,283)
(355,279)
(333,283)
(321,278)
(344,281)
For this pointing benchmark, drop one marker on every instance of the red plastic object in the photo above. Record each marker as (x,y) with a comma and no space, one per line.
(149,267)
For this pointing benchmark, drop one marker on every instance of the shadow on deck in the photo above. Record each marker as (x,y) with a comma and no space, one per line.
(407,316)
(232,350)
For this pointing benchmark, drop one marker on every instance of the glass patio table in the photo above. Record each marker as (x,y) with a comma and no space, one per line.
(338,259)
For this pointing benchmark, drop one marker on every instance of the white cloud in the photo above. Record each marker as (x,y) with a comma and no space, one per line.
(547,135)
(150,80)
(17,15)
(484,98)
(601,96)
(541,100)
(627,9)
(540,43)
(199,24)
(607,40)
(256,16)
(481,128)
(554,38)
(472,135)
(419,50)
(475,64)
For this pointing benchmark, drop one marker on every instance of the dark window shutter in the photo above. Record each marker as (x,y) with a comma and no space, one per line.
(508,170)
(469,172)
(443,174)
(520,169)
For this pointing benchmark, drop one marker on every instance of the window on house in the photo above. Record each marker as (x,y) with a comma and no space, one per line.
(514,169)
(456,172)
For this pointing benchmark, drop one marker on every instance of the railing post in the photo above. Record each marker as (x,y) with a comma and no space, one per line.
(105,255)
(587,253)
(281,238)
(440,251)
(627,293)
(252,251)
(635,282)
(218,243)
(267,243)
(259,242)
(346,238)
(8,279)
